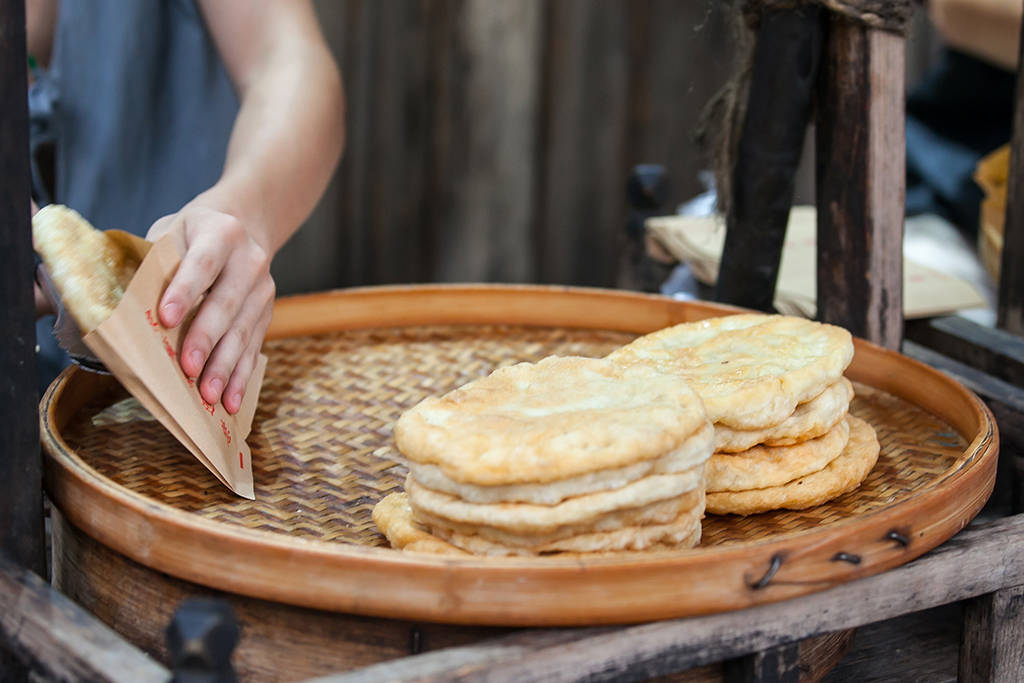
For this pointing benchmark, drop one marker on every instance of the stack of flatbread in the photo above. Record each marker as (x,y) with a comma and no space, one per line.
(569,454)
(774,388)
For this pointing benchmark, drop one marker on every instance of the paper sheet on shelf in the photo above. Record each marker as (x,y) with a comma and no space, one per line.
(698,241)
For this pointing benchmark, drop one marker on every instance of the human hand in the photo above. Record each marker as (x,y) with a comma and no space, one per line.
(230,271)
(43,304)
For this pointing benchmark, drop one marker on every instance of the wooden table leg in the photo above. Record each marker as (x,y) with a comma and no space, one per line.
(776,665)
(992,647)
(861,185)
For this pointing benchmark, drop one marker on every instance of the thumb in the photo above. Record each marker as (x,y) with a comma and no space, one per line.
(161,227)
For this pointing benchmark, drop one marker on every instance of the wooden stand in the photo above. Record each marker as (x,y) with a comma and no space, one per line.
(293,643)
(861,187)
(983,564)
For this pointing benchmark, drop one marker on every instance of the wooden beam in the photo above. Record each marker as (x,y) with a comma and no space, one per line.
(778,110)
(861,187)
(1011,278)
(21,495)
(1006,402)
(779,664)
(993,351)
(983,558)
(58,640)
(993,638)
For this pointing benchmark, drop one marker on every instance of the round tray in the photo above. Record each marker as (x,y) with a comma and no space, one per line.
(344,365)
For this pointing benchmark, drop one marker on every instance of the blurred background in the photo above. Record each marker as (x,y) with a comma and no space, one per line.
(490,141)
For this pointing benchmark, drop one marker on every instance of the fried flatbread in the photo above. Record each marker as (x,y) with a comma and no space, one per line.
(840,476)
(809,420)
(694,451)
(394,519)
(658,512)
(551,420)
(682,532)
(89,269)
(751,370)
(526,518)
(764,466)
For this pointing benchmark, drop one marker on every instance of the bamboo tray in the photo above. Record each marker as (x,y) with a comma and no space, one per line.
(344,365)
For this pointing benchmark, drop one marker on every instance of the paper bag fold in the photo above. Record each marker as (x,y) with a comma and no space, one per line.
(143,355)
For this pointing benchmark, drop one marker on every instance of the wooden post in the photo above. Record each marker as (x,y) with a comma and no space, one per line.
(860,181)
(993,638)
(782,83)
(776,665)
(21,498)
(1011,278)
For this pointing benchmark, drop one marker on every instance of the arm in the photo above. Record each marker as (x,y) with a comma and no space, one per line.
(284,145)
(40,24)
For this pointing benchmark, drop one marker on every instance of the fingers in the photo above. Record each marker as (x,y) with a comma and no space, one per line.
(161,227)
(229,273)
(207,253)
(229,313)
(235,391)
(238,341)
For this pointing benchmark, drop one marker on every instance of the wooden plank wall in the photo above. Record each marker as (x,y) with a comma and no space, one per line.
(491,140)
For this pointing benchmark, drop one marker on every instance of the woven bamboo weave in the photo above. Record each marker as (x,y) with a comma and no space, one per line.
(323,452)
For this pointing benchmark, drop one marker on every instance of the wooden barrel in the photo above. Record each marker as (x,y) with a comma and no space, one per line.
(140,525)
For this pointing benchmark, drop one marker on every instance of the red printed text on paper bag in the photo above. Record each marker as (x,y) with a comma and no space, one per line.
(143,356)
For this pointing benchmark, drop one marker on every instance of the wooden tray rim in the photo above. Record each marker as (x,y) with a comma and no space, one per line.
(127,519)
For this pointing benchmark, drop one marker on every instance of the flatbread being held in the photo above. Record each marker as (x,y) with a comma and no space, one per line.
(90,269)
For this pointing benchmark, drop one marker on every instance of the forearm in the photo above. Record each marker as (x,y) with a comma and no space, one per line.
(285,142)
(284,145)
(40,24)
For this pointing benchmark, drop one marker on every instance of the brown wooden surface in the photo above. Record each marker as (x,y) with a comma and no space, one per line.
(779,664)
(983,558)
(491,141)
(143,516)
(61,642)
(279,642)
(1011,279)
(989,350)
(922,646)
(993,640)
(860,181)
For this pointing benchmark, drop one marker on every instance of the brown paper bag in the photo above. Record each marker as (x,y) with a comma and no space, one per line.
(143,355)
